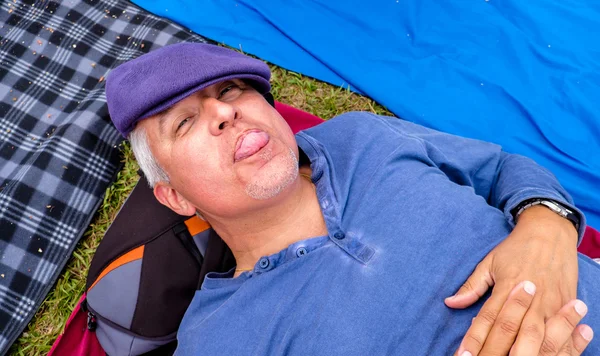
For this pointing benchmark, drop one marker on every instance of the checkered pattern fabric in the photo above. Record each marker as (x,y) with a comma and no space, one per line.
(58,149)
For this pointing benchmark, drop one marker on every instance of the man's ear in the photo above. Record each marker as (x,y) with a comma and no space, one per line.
(171,198)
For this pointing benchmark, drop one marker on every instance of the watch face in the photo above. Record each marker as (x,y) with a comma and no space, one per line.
(554,207)
(564,212)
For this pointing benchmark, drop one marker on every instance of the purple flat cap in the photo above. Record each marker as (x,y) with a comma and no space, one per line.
(155,81)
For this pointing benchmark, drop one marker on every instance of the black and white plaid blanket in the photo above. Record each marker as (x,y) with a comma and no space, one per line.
(58,149)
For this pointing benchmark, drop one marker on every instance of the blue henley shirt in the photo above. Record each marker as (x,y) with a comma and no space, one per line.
(410,212)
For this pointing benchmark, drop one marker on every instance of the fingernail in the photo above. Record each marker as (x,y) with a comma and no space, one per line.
(529,287)
(467,353)
(587,333)
(581,308)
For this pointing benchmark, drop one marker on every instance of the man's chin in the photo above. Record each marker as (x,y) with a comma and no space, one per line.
(274,178)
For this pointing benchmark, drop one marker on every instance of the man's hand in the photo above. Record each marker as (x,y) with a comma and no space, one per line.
(561,329)
(542,249)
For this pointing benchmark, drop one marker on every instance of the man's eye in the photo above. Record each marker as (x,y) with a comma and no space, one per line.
(228,89)
(183,122)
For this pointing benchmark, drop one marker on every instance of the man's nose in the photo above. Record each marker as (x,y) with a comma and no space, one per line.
(222,115)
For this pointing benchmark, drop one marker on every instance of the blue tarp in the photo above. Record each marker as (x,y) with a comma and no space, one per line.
(523,74)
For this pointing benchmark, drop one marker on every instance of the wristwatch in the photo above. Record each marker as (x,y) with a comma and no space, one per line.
(550,204)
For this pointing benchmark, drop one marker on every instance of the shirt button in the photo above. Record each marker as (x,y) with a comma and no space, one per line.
(263,263)
(301,252)
(339,235)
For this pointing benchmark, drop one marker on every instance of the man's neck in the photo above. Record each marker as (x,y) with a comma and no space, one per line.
(271,230)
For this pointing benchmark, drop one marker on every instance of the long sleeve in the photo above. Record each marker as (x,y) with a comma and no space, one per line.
(504,180)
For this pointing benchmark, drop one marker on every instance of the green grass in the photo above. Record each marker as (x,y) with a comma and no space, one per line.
(316,97)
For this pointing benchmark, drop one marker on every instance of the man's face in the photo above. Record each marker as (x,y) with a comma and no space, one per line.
(225,148)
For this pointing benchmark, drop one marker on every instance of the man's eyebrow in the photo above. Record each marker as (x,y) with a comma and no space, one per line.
(162,120)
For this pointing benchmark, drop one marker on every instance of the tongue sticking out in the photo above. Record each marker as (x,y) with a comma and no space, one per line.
(251,143)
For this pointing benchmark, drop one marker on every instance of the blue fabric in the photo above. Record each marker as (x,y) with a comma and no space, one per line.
(408,216)
(523,74)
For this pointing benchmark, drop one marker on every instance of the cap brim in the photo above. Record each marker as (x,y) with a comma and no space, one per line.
(258,82)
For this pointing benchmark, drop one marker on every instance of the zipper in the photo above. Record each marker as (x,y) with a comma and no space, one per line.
(92,321)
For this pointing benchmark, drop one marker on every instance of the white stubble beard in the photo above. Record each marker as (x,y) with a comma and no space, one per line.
(262,188)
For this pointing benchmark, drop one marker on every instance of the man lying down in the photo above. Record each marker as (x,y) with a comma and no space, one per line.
(349,236)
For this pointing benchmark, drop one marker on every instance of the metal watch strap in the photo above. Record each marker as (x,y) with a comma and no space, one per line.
(550,204)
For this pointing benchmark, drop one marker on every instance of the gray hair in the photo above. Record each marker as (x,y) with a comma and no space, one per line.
(148,164)
(141,150)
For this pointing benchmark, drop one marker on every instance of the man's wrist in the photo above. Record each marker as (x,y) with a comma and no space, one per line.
(552,205)
(541,218)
